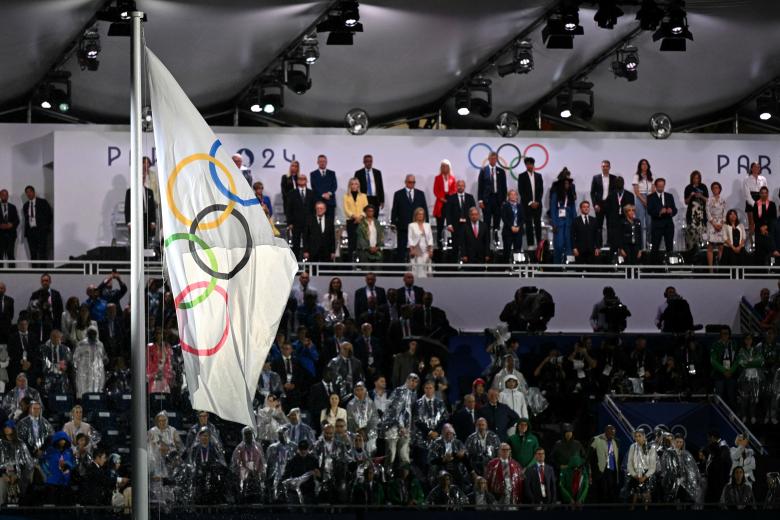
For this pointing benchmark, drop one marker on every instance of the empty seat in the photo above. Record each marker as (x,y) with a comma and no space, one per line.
(121,402)
(60,403)
(159,402)
(93,402)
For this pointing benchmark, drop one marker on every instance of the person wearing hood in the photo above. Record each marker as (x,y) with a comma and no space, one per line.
(509,367)
(574,482)
(398,422)
(12,401)
(57,464)
(298,429)
(34,430)
(514,397)
(16,466)
(566,448)
(680,479)
(277,456)
(334,457)
(269,418)
(742,455)
(479,391)
(482,447)
(248,466)
(505,477)
(523,443)
(605,465)
(55,365)
(203,422)
(449,454)
(89,361)
(445,493)
(362,417)
(737,494)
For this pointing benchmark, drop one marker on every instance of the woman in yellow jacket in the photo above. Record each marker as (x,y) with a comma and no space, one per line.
(354,204)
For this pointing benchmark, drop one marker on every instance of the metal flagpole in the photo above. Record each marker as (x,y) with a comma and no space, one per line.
(137,315)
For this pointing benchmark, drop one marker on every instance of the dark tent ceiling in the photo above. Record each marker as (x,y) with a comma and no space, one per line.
(409,58)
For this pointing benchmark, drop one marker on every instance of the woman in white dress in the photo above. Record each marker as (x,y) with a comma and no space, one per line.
(643,187)
(420,245)
(716,217)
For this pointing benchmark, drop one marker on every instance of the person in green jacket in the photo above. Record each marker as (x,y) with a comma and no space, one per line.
(523,443)
(404,489)
(723,356)
(574,482)
(750,364)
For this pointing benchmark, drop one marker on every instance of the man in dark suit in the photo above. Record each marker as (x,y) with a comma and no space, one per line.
(464,420)
(324,184)
(149,208)
(362,295)
(48,301)
(584,236)
(371,182)
(6,314)
(298,207)
(368,349)
(24,352)
(112,331)
(319,237)
(614,212)
(409,294)
(530,186)
(540,481)
(661,207)
(405,201)
(601,186)
(38,220)
(430,321)
(98,482)
(319,399)
(512,232)
(457,209)
(474,240)
(9,221)
(491,191)
(498,415)
(293,377)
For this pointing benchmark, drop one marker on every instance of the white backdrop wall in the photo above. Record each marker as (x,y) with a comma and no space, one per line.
(90,164)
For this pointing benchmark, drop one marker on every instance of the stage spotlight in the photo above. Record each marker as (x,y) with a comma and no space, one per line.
(674,29)
(481,96)
(626,63)
(55,93)
(356,121)
(522,60)
(564,104)
(507,124)
(660,125)
(270,97)
(342,23)
(463,102)
(767,104)
(607,14)
(89,48)
(310,49)
(350,13)
(562,26)
(649,15)
(296,76)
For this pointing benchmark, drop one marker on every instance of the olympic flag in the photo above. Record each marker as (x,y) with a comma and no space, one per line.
(230,276)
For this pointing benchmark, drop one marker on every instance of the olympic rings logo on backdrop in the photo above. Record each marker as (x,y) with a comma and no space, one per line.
(197,223)
(509,156)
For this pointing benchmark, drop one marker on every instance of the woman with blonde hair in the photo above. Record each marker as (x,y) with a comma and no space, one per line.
(420,243)
(354,204)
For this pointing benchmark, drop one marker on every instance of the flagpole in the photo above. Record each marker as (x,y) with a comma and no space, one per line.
(140,483)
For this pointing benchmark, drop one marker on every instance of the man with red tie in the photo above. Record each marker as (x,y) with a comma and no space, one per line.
(475,240)
(540,485)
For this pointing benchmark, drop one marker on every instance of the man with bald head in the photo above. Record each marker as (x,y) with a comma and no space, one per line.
(405,202)
(474,240)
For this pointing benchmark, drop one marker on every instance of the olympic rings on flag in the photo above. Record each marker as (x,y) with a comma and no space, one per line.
(247,249)
(186,346)
(212,260)
(221,187)
(172,182)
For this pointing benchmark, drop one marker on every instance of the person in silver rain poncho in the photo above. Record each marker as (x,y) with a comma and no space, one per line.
(333,459)
(448,453)
(345,371)
(163,433)
(248,466)
(362,417)
(269,419)
(203,422)
(750,363)
(482,447)
(397,423)
(680,478)
(641,466)
(277,456)
(89,360)
(447,494)
(56,363)
(34,430)
(299,430)
(162,463)
(16,465)
(430,413)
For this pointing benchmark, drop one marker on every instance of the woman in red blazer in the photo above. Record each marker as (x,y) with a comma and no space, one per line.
(444,185)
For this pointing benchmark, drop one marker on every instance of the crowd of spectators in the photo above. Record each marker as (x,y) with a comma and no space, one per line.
(355,405)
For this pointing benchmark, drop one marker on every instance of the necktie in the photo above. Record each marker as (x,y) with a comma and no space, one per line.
(288,366)
(662,200)
(5,211)
(493,178)
(460,197)
(322,172)
(585,220)
(303,193)
(411,199)
(409,295)
(476,230)
(368,183)
(321,223)
(32,208)
(541,473)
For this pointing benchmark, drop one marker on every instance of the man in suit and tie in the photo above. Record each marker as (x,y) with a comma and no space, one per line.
(371,182)
(458,206)
(405,201)
(491,191)
(584,236)
(319,399)
(6,314)
(368,349)
(363,294)
(540,481)
(601,186)
(292,375)
(430,321)
(661,207)
(464,420)
(324,184)
(149,206)
(24,352)
(298,207)
(409,294)
(319,237)
(530,186)
(9,221)
(614,211)
(48,301)
(37,225)
(475,240)
(512,232)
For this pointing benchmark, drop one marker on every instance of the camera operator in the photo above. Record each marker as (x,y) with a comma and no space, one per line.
(531,310)
(674,315)
(609,314)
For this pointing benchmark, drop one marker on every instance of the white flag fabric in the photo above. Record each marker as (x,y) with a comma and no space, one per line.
(230,276)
